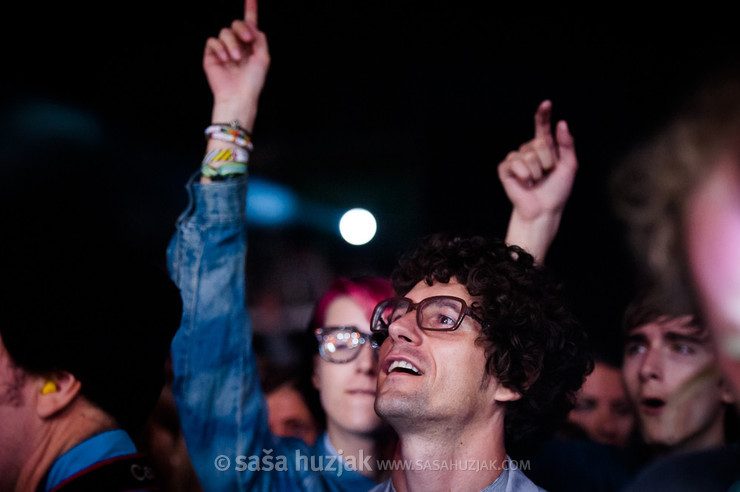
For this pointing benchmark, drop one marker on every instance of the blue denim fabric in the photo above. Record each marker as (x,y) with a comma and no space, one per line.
(217,391)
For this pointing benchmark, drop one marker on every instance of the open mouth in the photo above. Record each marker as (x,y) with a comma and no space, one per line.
(653,404)
(404,366)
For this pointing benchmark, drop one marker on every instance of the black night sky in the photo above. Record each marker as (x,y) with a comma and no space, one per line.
(404,108)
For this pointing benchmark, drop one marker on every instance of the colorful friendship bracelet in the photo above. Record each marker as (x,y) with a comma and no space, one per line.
(230,155)
(220,164)
(224,171)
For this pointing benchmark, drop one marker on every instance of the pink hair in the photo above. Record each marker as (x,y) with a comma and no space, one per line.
(366,291)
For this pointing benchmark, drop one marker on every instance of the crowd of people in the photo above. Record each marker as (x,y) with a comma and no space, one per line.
(465,370)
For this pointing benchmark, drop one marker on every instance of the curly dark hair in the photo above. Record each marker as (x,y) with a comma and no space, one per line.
(533,344)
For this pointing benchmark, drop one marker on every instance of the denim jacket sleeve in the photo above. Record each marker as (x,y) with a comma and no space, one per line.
(221,407)
(219,400)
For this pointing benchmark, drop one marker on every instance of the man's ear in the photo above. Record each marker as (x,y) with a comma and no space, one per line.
(56,392)
(500,392)
(505,394)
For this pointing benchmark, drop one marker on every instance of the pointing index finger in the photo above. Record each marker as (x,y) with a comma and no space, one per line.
(250,11)
(542,120)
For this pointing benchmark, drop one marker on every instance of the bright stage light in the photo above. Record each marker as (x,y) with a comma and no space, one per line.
(357,226)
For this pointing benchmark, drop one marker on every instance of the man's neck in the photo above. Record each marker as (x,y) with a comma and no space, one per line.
(469,459)
(56,437)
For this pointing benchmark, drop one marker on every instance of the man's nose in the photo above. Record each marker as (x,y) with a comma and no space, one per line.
(405,329)
(651,366)
(606,427)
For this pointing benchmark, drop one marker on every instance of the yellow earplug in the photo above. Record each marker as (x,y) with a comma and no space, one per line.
(49,387)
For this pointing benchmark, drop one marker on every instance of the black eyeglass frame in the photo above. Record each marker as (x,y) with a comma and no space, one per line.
(465,310)
(321,332)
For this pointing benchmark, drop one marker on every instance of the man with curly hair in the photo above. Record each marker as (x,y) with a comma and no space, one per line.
(481,361)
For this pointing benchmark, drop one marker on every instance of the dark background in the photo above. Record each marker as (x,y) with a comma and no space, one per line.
(402,108)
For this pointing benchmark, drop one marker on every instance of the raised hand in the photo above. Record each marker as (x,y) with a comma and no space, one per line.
(538,179)
(236,65)
(539,176)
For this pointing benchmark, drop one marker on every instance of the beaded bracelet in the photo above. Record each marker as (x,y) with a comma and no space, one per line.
(231,127)
(231,132)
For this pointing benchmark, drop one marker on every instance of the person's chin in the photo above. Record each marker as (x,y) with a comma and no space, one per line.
(366,423)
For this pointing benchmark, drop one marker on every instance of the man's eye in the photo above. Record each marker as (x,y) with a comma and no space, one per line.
(584,405)
(441,316)
(635,348)
(623,409)
(440,321)
(683,348)
(396,315)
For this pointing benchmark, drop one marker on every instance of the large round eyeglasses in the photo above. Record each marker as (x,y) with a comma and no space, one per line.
(438,313)
(341,344)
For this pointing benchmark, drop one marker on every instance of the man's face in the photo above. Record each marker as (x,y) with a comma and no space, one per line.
(713,250)
(16,415)
(442,377)
(671,380)
(289,415)
(602,408)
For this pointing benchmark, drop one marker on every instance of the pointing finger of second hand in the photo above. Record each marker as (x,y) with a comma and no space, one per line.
(250,11)
(542,119)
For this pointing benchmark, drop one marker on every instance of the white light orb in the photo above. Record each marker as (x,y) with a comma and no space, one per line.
(357,226)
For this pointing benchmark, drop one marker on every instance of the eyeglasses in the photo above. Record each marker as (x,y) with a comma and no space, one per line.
(438,313)
(341,344)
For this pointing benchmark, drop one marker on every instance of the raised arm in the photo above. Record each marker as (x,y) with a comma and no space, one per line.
(216,385)
(235,64)
(538,179)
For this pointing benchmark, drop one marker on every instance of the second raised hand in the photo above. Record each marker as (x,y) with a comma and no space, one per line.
(538,179)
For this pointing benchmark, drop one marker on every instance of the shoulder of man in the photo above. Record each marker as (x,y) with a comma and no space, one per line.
(122,473)
(708,470)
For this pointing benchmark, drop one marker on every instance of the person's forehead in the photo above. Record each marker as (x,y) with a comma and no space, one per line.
(603,372)
(604,382)
(344,310)
(666,328)
(422,290)
(287,401)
